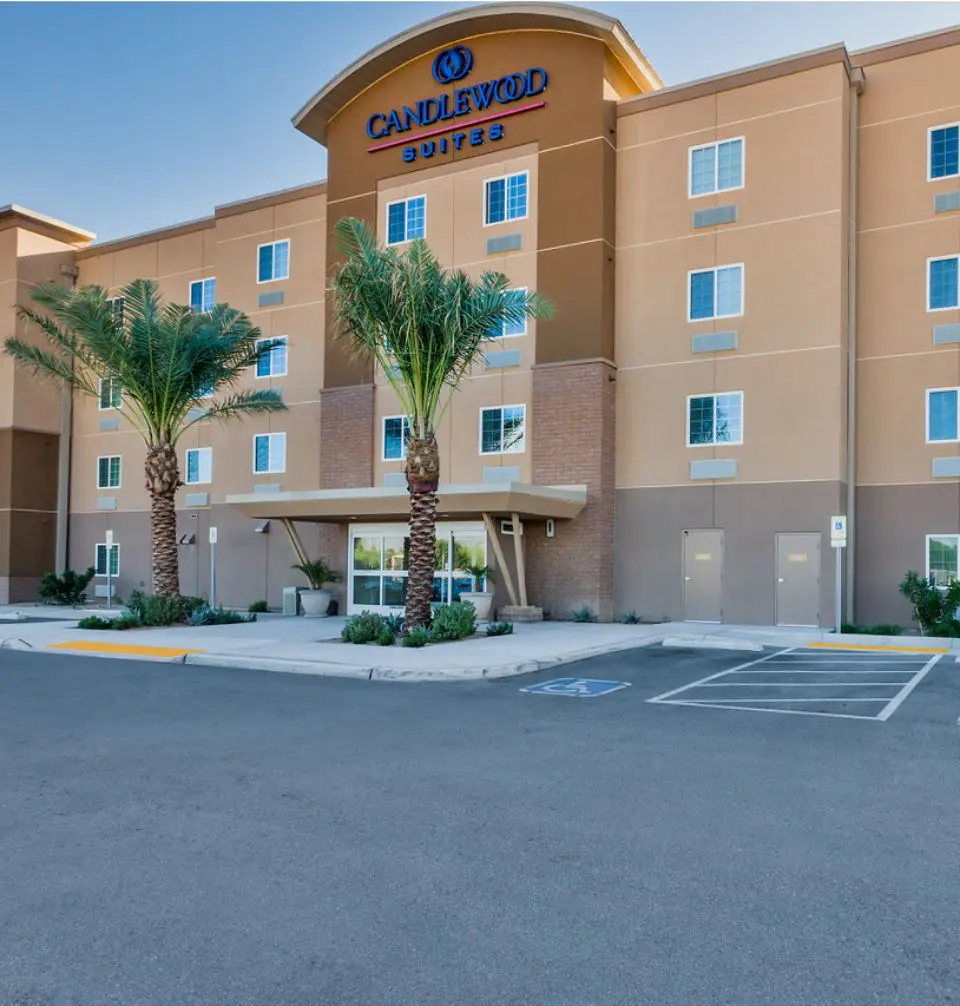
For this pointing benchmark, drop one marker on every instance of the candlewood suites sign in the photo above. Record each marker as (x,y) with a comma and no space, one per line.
(434,122)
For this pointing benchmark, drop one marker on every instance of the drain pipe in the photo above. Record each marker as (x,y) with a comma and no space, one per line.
(856,88)
(65,454)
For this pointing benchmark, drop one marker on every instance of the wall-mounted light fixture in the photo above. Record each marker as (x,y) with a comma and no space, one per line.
(263,528)
(187,539)
(551,528)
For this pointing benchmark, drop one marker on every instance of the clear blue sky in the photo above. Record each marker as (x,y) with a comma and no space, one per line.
(124,117)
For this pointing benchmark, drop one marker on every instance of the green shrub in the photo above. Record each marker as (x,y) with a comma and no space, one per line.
(453,621)
(630,618)
(205,615)
(881,629)
(934,608)
(417,637)
(258,607)
(95,622)
(394,623)
(364,628)
(156,610)
(68,589)
(583,614)
(128,620)
(500,629)
(386,638)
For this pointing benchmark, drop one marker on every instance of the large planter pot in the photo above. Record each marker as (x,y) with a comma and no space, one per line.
(482,602)
(315,602)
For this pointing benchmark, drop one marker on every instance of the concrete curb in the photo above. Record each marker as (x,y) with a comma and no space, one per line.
(322,668)
(713,643)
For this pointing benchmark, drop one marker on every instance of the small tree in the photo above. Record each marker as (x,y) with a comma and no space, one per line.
(166,359)
(424,326)
(934,608)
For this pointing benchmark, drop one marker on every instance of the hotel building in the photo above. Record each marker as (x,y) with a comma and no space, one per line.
(757,328)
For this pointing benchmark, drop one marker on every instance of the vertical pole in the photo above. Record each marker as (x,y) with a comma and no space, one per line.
(838,590)
(109,578)
(213,574)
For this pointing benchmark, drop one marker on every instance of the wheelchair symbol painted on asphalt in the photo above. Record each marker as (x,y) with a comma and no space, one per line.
(577,688)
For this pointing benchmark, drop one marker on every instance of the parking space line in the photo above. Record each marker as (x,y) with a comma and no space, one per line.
(761,709)
(720,674)
(770,669)
(898,700)
(817,700)
(805,684)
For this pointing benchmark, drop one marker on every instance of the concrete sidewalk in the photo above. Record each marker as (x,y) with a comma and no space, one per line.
(312,646)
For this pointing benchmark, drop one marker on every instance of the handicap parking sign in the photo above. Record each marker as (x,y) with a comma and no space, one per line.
(577,688)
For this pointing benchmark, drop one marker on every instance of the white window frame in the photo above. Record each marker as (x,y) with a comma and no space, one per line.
(714,269)
(206,279)
(926,557)
(100,406)
(526,321)
(716,167)
(716,443)
(112,301)
(383,438)
(110,457)
(386,219)
(274,279)
(942,258)
(483,195)
(270,470)
(490,408)
(286,357)
(926,418)
(186,466)
(107,550)
(930,131)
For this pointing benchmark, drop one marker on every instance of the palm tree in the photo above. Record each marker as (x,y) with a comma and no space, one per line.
(424,326)
(161,360)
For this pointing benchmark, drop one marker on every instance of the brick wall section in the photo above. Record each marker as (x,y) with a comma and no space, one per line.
(573,429)
(346,460)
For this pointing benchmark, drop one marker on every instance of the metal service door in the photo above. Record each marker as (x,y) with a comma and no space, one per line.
(703,576)
(798,579)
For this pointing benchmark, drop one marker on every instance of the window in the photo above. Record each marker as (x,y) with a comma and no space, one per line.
(110,394)
(108,472)
(715,419)
(406,220)
(272,361)
(202,294)
(396,429)
(115,304)
(100,560)
(505,198)
(942,283)
(273,261)
(716,167)
(944,149)
(942,415)
(715,293)
(199,466)
(502,430)
(510,329)
(269,453)
(942,554)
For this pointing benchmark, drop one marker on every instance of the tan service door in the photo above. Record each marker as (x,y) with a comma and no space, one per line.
(703,576)
(798,579)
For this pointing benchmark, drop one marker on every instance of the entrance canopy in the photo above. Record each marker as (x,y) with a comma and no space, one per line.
(389,503)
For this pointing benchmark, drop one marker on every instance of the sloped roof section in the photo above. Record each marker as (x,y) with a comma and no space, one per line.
(441,31)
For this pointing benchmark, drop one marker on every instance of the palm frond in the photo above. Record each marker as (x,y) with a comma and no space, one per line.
(242,403)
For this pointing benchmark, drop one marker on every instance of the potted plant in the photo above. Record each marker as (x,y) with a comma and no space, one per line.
(480,599)
(316,600)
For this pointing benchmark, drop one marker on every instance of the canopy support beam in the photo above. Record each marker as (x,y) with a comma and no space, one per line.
(501,561)
(295,541)
(518,552)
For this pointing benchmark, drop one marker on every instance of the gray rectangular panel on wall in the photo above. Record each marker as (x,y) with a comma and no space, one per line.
(714,342)
(100,590)
(109,424)
(269,299)
(713,468)
(946,468)
(502,358)
(715,215)
(195,413)
(504,243)
(107,503)
(197,499)
(395,479)
(511,474)
(943,335)
(267,487)
(944,202)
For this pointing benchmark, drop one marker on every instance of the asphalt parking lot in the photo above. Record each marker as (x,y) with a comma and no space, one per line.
(178,834)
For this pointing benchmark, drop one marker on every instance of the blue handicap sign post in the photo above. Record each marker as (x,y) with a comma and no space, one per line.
(576,688)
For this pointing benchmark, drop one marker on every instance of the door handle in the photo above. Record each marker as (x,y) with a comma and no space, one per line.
(780,579)
(688,578)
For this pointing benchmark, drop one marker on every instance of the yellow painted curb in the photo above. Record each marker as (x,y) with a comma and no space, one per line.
(130,649)
(877,649)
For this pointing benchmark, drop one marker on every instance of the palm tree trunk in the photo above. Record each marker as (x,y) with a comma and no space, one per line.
(423,477)
(163,480)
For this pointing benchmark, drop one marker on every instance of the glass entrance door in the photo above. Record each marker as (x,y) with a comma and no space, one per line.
(379,559)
